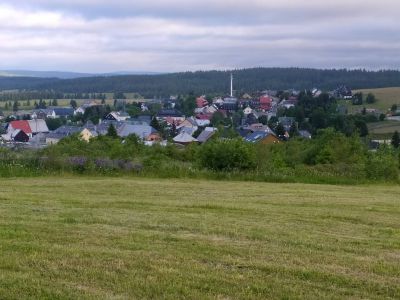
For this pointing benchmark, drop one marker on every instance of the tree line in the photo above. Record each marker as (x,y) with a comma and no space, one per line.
(210,82)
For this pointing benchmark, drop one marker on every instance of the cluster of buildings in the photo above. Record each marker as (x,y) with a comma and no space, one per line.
(181,129)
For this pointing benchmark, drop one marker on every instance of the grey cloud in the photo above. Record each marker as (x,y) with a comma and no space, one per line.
(189,35)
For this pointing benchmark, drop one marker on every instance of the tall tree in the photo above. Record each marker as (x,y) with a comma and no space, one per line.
(73,103)
(396,140)
(111,131)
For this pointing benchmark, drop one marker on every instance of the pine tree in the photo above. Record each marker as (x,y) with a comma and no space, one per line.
(112,132)
(396,140)
(73,103)
(155,124)
(15,106)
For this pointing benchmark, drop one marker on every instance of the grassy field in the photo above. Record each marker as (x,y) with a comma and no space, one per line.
(386,97)
(81,238)
(384,129)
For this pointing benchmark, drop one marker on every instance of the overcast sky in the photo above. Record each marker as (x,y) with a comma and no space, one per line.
(180,35)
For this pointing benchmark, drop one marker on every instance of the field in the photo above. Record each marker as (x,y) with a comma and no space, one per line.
(130,98)
(386,97)
(384,129)
(120,238)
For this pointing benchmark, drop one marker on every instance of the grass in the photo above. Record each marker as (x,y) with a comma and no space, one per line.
(386,97)
(81,238)
(383,129)
(66,102)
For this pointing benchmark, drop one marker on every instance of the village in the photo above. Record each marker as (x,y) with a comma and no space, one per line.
(255,117)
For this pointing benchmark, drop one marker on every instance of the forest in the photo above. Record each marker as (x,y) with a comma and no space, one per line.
(209,82)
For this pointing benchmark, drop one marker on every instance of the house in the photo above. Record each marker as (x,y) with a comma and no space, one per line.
(56,135)
(17,135)
(262,137)
(229,104)
(140,120)
(63,112)
(184,138)
(154,137)
(43,113)
(82,108)
(87,134)
(288,103)
(206,134)
(247,111)
(202,122)
(19,125)
(305,134)
(265,102)
(189,126)
(117,116)
(286,122)
(343,92)
(251,119)
(201,102)
(38,126)
(30,127)
(171,116)
(141,131)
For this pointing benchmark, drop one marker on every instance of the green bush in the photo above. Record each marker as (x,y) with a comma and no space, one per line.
(227,155)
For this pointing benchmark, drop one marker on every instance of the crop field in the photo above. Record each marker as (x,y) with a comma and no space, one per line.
(124,238)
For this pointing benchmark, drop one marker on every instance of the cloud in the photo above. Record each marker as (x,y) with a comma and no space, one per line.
(95,36)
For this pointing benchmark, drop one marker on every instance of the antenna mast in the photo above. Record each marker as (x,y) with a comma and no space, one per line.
(231,85)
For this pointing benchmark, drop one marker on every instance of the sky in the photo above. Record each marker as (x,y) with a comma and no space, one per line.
(96,36)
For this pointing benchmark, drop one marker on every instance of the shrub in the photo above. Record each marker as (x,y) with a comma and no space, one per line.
(227,155)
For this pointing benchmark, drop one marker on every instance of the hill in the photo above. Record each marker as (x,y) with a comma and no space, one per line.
(210,82)
(63,74)
(81,238)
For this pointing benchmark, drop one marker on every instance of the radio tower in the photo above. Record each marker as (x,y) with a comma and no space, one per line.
(231,85)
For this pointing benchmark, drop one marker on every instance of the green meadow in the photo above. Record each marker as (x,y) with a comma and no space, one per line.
(124,238)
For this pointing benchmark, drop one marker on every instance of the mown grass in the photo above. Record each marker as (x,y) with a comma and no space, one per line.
(91,238)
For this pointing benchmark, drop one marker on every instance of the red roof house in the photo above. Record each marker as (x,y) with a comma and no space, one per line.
(22,125)
(265,103)
(201,102)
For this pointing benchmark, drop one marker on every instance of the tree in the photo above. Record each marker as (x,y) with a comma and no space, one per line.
(263,119)
(294,131)
(217,119)
(111,131)
(73,103)
(396,140)
(229,154)
(15,106)
(393,109)
(155,124)
(362,128)
(358,98)
(280,130)
(370,98)
(55,102)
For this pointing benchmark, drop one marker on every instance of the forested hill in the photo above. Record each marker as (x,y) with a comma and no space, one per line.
(205,82)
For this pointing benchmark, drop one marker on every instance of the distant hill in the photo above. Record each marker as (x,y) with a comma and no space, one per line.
(208,82)
(65,75)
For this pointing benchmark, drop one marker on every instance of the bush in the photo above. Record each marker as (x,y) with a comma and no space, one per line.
(227,155)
